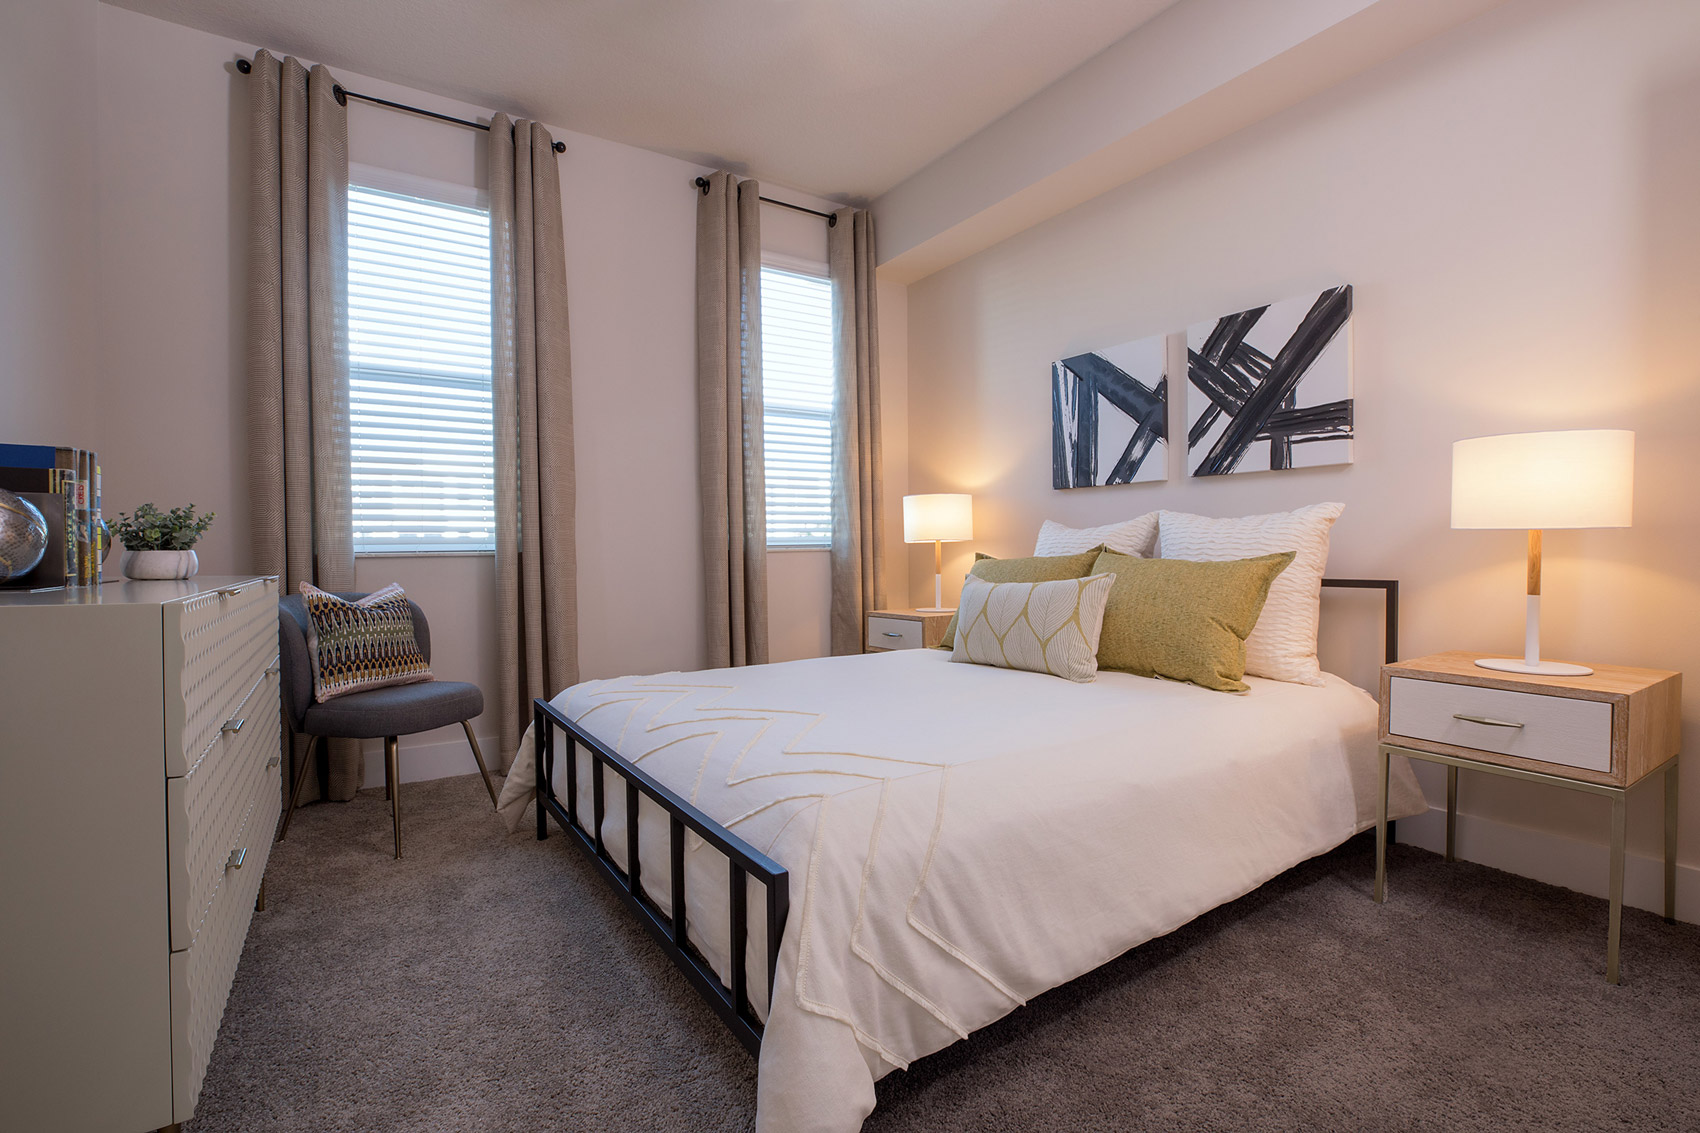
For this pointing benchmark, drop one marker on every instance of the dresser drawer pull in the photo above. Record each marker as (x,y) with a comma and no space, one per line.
(888,633)
(274,669)
(237,857)
(231,591)
(234,724)
(1488,720)
(273,762)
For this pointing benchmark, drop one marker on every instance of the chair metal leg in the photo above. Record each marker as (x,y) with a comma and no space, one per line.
(300,779)
(392,772)
(479,756)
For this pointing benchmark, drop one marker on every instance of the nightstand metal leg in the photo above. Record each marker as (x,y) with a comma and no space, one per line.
(1451,813)
(1381,828)
(1614,923)
(1670,843)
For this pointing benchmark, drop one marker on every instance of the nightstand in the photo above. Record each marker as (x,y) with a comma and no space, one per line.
(904,629)
(1603,734)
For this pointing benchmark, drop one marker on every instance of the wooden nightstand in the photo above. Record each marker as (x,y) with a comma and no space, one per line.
(904,629)
(1602,734)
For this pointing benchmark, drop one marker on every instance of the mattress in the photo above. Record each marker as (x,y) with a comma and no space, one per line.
(961,838)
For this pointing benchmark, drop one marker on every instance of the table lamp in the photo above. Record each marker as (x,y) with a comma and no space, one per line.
(938,519)
(1534,481)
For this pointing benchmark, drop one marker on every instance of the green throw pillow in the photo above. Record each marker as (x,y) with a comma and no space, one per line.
(1184,620)
(1040,568)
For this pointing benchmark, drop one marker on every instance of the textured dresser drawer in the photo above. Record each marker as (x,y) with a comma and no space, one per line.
(1551,729)
(215,646)
(207,809)
(202,974)
(893,633)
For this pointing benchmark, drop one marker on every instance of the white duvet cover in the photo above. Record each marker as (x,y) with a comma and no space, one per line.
(962,838)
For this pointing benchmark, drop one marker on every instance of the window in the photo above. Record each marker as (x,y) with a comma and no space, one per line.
(797,392)
(420,413)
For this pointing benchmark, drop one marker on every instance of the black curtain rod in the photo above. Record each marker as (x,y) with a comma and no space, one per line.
(343,94)
(830,218)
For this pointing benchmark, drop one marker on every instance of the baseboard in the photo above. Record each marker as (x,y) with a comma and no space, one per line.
(1556,859)
(430,757)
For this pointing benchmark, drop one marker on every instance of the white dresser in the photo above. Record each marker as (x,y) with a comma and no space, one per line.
(139,790)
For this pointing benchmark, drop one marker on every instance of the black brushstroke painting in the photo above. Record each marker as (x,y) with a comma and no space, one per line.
(1080,424)
(1259,395)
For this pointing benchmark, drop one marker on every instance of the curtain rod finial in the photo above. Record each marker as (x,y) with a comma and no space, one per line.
(244,66)
(702,183)
(560,147)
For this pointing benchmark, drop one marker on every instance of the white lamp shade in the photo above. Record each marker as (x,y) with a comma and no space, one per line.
(944,517)
(1576,478)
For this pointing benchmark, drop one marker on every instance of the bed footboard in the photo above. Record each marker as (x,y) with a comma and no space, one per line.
(744,861)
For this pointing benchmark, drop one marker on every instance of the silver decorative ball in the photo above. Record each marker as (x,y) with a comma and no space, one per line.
(23,536)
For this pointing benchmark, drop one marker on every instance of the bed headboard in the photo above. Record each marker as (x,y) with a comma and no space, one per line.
(1390,599)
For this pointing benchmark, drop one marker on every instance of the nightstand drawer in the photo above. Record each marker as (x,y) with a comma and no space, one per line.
(893,633)
(1552,729)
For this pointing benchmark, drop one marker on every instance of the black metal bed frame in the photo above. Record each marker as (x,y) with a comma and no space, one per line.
(743,860)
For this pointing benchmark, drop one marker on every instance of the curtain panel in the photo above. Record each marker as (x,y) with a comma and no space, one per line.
(536,555)
(858,512)
(729,421)
(298,433)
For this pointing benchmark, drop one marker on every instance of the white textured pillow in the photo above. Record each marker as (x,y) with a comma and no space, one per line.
(1042,627)
(1282,647)
(1134,537)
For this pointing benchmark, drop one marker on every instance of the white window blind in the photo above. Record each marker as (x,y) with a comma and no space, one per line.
(420,414)
(797,393)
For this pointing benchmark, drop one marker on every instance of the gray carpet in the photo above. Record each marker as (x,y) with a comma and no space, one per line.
(492,982)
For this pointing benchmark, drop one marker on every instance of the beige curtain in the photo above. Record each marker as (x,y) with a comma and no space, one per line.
(536,557)
(729,421)
(858,519)
(298,346)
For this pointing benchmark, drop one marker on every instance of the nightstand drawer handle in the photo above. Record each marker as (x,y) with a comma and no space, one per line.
(888,633)
(237,857)
(234,724)
(1488,720)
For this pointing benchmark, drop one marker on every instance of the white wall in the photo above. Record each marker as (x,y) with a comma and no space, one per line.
(171,393)
(1516,205)
(47,199)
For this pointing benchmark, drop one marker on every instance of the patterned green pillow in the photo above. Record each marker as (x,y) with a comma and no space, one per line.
(1038,568)
(1184,620)
(361,645)
(1043,627)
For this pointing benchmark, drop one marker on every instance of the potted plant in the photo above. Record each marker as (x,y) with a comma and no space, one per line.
(159,544)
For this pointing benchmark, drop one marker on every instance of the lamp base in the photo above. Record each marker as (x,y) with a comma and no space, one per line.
(935,609)
(1538,669)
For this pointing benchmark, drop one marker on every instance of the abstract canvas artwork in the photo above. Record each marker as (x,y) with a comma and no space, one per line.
(1110,416)
(1271,388)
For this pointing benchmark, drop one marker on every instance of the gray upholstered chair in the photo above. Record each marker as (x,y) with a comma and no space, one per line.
(385,713)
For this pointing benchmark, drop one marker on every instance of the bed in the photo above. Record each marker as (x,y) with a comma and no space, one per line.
(880,854)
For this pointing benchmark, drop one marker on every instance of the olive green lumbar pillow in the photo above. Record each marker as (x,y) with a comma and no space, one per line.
(1039,568)
(1042,627)
(1184,620)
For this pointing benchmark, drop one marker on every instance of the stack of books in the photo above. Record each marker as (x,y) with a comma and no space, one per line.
(64,485)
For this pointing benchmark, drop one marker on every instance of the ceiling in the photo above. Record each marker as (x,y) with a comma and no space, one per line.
(841,98)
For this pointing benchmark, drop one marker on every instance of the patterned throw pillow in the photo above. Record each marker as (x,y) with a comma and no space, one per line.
(1042,627)
(362,645)
(1039,568)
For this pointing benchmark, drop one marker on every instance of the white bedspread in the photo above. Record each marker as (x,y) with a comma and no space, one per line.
(962,838)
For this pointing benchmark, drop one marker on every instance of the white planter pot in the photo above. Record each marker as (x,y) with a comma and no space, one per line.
(160,564)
